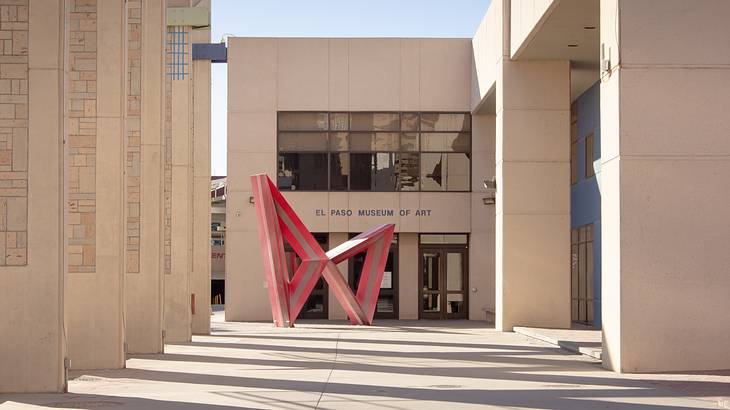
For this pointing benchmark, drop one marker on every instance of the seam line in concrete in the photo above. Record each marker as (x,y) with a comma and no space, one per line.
(332,370)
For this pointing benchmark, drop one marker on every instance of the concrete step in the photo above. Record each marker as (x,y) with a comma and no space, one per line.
(581,341)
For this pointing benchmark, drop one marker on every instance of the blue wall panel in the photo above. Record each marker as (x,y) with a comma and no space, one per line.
(585,196)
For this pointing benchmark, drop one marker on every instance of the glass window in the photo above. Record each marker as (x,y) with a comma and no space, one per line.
(339,141)
(302,141)
(302,171)
(457,172)
(445,122)
(445,141)
(454,271)
(360,172)
(374,141)
(442,172)
(384,172)
(366,121)
(339,171)
(374,151)
(433,238)
(409,121)
(303,121)
(574,162)
(431,172)
(409,141)
(339,121)
(589,156)
(407,171)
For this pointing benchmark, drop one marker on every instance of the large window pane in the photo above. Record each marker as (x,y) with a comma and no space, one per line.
(339,171)
(366,121)
(458,172)
(409,141)
(589,156)
(446,141)
(374,141)
(442,172)
(339,121)
(302,141)
(409,121)
(303,121)
(433,166)
(361,172)
(445,122)
(438,238)
(384,172)
(300,171)
(339,141)
(407,171)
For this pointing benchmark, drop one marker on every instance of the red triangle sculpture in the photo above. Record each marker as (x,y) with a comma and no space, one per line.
(276,222)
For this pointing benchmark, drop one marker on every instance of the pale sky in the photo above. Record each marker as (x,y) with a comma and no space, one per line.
(328,18)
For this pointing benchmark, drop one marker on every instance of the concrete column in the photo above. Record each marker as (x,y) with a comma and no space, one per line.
(665,160)
(145,262)
(200,274)
(251,150)
(408,292)
(94,296)
(533,194)
(31,293)
(336,312)
(177,311)
(481,239)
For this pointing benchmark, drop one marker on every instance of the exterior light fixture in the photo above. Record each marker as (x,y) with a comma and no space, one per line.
(250,200)
(491,186)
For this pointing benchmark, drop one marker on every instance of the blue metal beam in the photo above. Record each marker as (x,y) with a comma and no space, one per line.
(215,52)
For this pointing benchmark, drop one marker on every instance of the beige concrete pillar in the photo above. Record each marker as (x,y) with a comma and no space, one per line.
(408,294)
(533,194)
(177,310)
(31,286)
(251,150)
(200,275)
(144,196)
(481,240)
(336,312)
(665,160)
(94,294)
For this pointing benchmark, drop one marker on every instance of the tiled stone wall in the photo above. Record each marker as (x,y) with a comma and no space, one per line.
(81,223)
(167,183)
(134,106)
(13,132)
(177,68)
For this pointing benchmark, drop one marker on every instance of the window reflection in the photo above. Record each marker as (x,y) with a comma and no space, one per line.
(339,171)
(302,121)
(302,141)
(366,121)
(407,172)
(374,151)
(290,176)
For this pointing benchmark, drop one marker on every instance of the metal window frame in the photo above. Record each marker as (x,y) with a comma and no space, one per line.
(176,52)
(400,133)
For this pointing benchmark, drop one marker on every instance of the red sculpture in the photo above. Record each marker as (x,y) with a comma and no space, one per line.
(277,221)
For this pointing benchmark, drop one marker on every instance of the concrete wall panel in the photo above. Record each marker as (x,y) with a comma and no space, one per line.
(303,74)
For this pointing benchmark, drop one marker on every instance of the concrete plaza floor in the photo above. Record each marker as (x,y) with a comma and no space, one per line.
(393,365)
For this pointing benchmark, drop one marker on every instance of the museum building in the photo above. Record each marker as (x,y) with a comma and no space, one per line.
(541,173)
(393,141)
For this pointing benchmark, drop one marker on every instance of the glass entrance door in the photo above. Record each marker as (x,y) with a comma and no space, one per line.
(387,307)
(316,305)
(443,283)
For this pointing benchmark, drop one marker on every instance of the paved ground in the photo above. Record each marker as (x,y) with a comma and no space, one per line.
(395,365)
